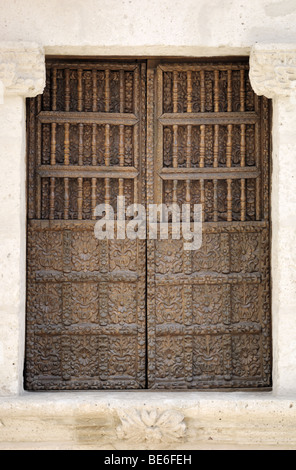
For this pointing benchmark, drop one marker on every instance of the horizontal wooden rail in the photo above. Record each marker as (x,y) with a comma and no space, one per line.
(61,117)
(77,171)
(196,119)
(208,173)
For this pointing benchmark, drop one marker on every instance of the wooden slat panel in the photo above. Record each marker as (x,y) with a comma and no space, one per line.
(78,281)
(205,306)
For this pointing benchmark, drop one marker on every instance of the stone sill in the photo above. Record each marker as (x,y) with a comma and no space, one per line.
(148,420)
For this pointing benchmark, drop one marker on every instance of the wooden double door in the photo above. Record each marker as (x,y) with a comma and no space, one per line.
(134,314)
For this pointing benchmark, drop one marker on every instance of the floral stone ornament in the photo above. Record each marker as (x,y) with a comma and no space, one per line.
(151,426)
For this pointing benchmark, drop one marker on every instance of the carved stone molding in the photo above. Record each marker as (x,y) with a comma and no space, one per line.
(22,69)
(140,426)
(273,70)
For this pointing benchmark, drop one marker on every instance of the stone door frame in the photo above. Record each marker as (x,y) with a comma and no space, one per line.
(22,74)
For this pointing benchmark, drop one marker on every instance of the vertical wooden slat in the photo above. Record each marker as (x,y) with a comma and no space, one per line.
(66,198)
(243,145)
(242,91)
(94,91)
(80,198)
(243,181)
(264,161)
(39,160)
(54,90)
(229,145)
(189,92)
(31,160)
(175,146)
(175,134)
(215,201)
(229,200)
(175,91)
(94,144)
(67,90)
(121,91)
(79,89)
(67,142)
(175,161)
(189,146)
(188,161)
(66,162)
(257,159)
(51,198)
(157,183)
(107,191)
(229,90)
(93,197)
(107,91)
(121,145)
(107,163)
(121,130)
(107,136)
(258,179)
(201,165)
(80,144)
(107,144)
(121,159)
(136,129)
(142,134)
(202,92)
(216,91)
(202,146)
(215,165)
(189,134)
(228,164)
(53,144)
(243,200)
(216,146)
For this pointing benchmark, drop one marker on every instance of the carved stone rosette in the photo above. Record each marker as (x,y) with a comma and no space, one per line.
(22,69)
(273,70)
(153,427)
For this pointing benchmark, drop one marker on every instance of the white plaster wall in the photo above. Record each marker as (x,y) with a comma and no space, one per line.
(181,27)
(283,246)
(12,242)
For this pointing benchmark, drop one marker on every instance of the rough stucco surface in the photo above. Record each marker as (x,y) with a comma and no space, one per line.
(146,419)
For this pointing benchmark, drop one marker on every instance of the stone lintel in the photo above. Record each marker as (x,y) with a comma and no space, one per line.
(273,69)
(22,69)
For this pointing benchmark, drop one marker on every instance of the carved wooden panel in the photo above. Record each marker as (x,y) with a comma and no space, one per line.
(209,323)
(85,297)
